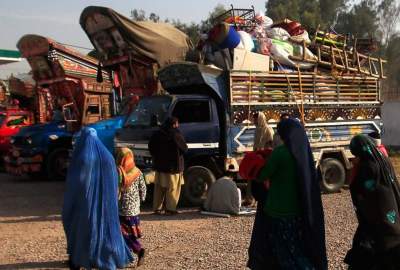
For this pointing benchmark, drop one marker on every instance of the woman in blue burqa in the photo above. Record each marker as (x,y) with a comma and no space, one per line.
(90,211)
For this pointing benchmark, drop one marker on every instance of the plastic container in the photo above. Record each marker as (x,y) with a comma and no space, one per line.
(231,40)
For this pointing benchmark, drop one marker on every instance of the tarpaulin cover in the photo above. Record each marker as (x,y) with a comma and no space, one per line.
(161,42)
(90,211)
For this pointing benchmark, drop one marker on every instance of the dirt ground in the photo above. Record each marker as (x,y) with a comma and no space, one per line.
(32,237)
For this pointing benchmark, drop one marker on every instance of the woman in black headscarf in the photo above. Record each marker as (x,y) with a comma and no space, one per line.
(375,193)
(296,231)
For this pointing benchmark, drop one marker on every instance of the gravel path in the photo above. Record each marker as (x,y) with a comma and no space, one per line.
(31,234)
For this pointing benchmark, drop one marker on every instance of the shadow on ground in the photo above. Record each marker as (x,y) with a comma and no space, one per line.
(35,265)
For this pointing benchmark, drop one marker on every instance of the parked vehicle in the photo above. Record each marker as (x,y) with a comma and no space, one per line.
(11,120)
(77,99)
(133,51)
(215,109)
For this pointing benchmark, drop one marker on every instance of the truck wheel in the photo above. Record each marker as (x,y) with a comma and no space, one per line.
(333,175)
(57,164)
(198,180)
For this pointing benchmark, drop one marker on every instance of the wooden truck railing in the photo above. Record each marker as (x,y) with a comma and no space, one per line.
(280,88)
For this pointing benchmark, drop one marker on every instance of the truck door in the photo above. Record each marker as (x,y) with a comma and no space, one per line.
(198,122)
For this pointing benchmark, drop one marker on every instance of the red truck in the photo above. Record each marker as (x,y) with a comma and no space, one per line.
(11,120)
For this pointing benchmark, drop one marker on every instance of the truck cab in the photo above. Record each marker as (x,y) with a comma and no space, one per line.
(198,122)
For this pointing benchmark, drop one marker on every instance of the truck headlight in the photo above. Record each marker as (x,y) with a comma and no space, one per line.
(29,140)
(53,137)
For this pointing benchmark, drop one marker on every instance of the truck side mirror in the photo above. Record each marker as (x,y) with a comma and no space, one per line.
(68,113)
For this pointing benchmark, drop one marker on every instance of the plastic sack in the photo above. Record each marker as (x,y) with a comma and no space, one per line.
(281,50)
(264,21)
(292,27)
(302,37)
(278,33)
(252,163)
(246,41)
(264,46)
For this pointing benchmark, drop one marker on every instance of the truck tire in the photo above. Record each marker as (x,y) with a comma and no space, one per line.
(198,180)
(57,164)
(333,175)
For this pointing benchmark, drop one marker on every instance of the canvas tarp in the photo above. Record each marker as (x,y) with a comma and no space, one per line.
(160,42)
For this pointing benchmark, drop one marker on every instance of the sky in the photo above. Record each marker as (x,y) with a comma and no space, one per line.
(60,19)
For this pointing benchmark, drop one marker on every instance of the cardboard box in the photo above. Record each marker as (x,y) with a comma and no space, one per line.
(249,61)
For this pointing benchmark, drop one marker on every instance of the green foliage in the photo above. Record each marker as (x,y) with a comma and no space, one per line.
(392,54)
(362,20)
(191,29)
(278,9)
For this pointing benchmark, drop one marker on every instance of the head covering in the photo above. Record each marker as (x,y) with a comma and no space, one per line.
(90,211)
(376,193)
(264,133)
(127,171)
(295,138)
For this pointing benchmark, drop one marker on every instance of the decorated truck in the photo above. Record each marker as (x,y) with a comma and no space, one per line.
(133,50)
(75,97)
(221,105)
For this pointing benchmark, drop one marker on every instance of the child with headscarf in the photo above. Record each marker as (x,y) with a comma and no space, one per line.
(132,190)
(293,206)
(90,209)
(264,133)
(375,193)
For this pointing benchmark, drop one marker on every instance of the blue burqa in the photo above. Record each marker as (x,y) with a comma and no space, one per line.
(90,211)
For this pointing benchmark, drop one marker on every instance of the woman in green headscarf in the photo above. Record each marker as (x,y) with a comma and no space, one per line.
(375,193)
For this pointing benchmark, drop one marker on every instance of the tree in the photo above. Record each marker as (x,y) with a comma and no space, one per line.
(391,86)
(330,10)
(361,20)
(138,15)
(278,10)
(307,12)
(154,17)
(389,12)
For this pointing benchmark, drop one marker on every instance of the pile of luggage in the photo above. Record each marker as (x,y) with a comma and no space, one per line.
(288,44)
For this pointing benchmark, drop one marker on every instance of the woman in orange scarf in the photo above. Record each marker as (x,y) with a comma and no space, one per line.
(132,190)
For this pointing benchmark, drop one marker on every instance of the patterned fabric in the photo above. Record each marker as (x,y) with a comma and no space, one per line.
(130,228)
(129,202)
(375,193)
(127,170)
(286,238)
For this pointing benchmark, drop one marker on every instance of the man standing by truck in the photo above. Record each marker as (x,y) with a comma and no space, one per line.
(167,147)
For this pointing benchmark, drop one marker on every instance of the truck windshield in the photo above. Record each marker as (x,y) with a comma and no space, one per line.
(150,111)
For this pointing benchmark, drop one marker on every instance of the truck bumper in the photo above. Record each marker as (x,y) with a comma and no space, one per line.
(20,165)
